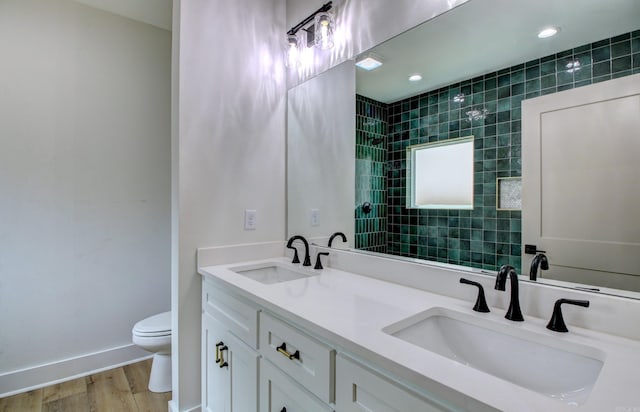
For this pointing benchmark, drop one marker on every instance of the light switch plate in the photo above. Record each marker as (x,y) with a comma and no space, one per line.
(249,219)
(315,217)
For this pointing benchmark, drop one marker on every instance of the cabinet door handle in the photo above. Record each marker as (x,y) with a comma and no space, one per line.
(223,363)
(218,351)
(283,350)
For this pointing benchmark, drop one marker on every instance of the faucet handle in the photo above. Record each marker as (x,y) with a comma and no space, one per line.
(556,323)
(296,259)
(318,261)
(481,302)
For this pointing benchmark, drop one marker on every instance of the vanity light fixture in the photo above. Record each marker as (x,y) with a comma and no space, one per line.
(319,34)
(292,54)
(324,31)
(548,32)
(415,78)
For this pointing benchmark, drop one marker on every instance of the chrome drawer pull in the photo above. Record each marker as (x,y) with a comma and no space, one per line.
(283,350)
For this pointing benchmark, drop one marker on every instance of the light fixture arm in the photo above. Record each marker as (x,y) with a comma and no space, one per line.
(326,7)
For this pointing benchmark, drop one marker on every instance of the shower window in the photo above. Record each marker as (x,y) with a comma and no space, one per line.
(440,175)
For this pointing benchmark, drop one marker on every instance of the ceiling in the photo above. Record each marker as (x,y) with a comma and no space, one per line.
(482,36)
(155,12)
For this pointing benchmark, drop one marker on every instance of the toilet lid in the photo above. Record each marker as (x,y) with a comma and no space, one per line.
(156,325)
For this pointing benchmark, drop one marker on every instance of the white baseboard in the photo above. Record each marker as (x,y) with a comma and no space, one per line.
(39,376)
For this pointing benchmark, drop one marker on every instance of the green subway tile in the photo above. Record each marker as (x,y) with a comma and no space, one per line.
(601,54)
(532,72)
(584,73)
(517,76)
(601,69)
(564,77)
(517,88)
(548,67)
(548,81)
(622,48)
(621,64)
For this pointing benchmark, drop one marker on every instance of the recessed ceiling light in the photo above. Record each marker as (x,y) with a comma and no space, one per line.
(548,32)
(415,78)
(368,63)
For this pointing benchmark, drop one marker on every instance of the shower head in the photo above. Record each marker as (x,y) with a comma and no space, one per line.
(376,140)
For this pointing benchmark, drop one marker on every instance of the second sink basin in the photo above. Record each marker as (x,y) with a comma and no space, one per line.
(561,370)
(272,272)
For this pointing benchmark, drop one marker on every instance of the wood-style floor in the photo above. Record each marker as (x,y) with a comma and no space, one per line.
(122,389)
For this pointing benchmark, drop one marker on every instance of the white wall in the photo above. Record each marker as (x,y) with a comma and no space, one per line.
(321,129)
(229,150)
(84,185)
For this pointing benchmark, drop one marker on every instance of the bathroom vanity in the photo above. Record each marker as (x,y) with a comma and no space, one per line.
(282,337)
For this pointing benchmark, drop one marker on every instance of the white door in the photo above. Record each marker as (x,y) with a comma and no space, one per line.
(581,182)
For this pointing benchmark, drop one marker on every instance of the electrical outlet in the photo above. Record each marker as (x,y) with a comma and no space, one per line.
(315,217)
(249,219)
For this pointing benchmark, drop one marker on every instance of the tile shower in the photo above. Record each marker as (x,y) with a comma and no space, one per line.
(483,237)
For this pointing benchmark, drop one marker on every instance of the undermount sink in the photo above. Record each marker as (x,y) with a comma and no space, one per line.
(561,370)
(272,272)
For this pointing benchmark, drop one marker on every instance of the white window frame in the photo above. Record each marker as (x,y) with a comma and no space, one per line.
(440,174)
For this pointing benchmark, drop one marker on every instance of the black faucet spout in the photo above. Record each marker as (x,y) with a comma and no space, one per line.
(539,261)
(513,313)
(307,257)
(342,236)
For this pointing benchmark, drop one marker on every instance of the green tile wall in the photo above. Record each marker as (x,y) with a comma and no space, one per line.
(371,179)
(483,237)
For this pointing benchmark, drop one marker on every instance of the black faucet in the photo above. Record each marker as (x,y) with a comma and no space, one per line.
(541,261)
(296,259)
(318,261)
(344,238)
(481,302)
(556,323)
(307,258)
(513,313)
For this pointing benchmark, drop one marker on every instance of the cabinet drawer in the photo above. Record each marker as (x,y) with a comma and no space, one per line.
(237,315)
(279,392)
(359,388)
(311,363)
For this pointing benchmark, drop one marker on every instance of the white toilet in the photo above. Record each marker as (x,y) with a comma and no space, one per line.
(154,335)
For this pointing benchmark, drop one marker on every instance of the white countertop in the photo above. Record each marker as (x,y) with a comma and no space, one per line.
(351,310)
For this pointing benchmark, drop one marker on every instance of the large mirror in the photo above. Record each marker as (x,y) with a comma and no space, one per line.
(478,63)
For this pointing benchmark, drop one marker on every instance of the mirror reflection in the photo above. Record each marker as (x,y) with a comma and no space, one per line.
(477,63)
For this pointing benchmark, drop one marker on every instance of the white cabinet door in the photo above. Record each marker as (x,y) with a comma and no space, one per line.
(216,386)
(243,374)
(280,393)
(229,372)
(361,389)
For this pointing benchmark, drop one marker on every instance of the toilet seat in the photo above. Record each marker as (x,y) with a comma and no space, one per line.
(151,334)
(154,326)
